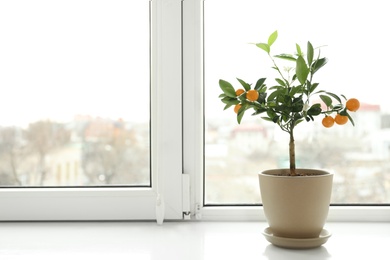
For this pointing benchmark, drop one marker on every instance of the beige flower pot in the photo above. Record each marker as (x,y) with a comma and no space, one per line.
(296,207)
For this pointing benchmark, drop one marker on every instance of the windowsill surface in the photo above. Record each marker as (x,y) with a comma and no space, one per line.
(182,240)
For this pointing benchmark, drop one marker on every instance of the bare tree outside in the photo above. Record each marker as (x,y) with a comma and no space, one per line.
(42,138)
(11,156)
(92,151)
(113,154)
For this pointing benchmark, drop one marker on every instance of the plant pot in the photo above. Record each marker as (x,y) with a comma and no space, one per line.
(296,207)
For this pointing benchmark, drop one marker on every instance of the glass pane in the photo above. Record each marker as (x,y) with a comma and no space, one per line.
(357,51)
(74,80)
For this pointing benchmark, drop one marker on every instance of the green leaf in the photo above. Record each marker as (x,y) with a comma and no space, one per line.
(299,50)
(298,100)
(294,77)
(230,101)
(297,107)
(240,114)
(298,121)
(262,97)
(334,96)
(338,107)
(318,64)
(259,83)
(273,95)
(301,70)
(294,90)
(350,119)
(272,38)
(343,112)
(227,106)
(314,110)
(271,113)
(327,100)
(313,87)
(298,116)
(281,82)
(277,87)
(271,103)
(259,111)
(242,97)
(286,57)
(227,88)
(244,84)
(310,53)
(264,46)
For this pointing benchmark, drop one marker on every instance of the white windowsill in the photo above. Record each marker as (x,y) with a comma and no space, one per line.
(336,213)
(182,240)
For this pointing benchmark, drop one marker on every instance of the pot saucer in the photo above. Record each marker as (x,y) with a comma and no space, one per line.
(296,243)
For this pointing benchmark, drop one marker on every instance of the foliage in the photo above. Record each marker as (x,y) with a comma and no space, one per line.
(286,102)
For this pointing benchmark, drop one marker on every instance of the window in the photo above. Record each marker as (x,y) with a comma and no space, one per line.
(79,114)
(71,116)
(357,54)
(183,115)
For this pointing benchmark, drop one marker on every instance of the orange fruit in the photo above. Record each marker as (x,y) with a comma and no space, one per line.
(252,95)
(328,121)
(352,104)
(340,120)
(239,91)
(236,108)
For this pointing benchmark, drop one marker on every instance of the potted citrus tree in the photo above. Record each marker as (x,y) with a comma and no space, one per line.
(295,200)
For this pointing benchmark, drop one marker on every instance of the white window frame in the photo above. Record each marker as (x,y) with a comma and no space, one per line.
(193,132)
(163,199)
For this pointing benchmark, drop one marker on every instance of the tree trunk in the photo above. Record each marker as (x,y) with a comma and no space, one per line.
(292,153)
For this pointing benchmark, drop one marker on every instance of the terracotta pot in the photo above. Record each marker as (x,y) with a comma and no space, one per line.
(296,207)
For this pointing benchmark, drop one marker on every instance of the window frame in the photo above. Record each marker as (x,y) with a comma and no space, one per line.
(193,132)
(163,199)
(177,135)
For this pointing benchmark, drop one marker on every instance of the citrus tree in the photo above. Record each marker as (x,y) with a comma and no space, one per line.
(286,101)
